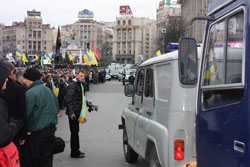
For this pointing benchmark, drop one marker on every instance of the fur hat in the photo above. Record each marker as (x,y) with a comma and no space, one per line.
(32,74)
(4,73)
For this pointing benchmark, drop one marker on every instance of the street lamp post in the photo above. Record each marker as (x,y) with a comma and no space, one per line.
(164,30)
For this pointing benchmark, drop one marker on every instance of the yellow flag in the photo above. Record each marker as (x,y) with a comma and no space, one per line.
(24,59)
(86,60)
(158,53)
(71,58)
(93,61)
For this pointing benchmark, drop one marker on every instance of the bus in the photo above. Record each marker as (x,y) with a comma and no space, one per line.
(222,101)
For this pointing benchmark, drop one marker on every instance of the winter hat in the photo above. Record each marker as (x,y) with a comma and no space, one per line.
(32,74)
(4,73)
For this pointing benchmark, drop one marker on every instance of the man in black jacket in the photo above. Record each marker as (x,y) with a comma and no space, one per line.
(62,92)
(8,129)
(73,109)
(131,78)
(14,97)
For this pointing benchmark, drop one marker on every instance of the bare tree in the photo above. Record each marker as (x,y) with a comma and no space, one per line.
(175,29)
(106,52)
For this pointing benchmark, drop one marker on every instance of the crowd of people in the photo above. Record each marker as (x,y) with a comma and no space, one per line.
(30,100)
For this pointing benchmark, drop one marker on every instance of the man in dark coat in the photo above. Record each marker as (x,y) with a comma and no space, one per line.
(8,129)
(14,97)
(73,109)
(62,92)
(131,78)
(48,82)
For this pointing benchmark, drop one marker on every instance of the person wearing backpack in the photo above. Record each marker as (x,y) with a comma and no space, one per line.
(9,129)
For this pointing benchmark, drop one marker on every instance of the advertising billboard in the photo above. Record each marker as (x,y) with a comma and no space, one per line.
(86,14)
(125,10)
(161,4)
(123,27)
(33,13)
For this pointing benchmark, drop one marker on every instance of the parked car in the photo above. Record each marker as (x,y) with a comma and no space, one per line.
(108,77)
(114,72)
(127,74)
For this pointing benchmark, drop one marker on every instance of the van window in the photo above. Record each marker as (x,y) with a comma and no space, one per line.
(140,83)
(215,58)
(235,49)
(163,81)
(149,87)
(223,63)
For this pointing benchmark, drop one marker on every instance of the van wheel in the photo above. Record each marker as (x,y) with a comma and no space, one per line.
(153,160)
(130,155)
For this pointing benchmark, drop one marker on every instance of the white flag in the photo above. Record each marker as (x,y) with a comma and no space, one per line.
(80,56)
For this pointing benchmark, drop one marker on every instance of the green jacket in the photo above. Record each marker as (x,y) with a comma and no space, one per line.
(42,107)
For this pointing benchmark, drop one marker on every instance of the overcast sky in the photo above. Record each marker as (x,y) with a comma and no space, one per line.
(61,12)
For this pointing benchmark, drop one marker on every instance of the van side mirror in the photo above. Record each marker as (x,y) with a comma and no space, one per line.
(188,61)
(129,90)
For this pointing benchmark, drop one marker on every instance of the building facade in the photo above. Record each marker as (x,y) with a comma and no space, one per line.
(106,49)
(84,32)
(193,8)
(30,36)
(163,15)
(1,39)
(134,39)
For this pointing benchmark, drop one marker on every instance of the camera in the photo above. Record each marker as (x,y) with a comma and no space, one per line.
(95,107)
(92,107)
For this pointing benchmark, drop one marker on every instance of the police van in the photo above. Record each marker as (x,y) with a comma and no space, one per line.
(159,124)
(222,120)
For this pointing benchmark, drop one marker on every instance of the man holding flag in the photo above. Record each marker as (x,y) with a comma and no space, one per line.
(76,106)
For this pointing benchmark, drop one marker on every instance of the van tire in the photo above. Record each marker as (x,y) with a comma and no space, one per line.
(130,155)
(153,160)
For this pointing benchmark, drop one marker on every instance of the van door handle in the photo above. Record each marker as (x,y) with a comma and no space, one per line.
(239,146)
(149,113)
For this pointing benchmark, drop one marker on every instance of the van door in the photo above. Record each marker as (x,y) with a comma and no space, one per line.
(141,129)
(137,101)
(223,115)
